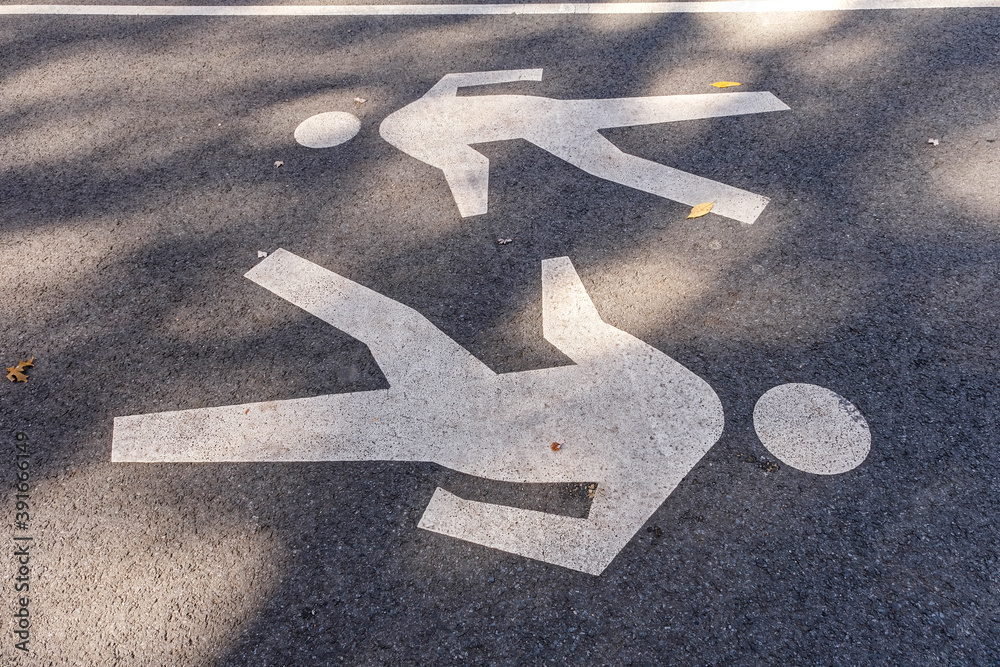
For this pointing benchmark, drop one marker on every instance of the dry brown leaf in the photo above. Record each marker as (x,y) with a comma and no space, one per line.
(555,446)
(358,101)
(16,373)
(726,84)
(700,210)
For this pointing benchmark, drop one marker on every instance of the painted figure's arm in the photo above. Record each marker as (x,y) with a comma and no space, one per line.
(571,322)
(450,83)
(467,172)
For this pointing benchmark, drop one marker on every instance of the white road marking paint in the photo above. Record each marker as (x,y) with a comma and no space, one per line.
(327,129)
(629,417)
(440,128)
(812,429)
(722,7)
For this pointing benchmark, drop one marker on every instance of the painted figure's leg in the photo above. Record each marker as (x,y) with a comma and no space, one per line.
(340,427)
(416,357)
(407,347)
(595,155)
(629,111)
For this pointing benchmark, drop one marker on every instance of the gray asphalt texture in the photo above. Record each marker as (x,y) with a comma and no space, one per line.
(137,183)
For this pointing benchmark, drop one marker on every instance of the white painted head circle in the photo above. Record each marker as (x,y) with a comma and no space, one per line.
(812,428)
(327,129)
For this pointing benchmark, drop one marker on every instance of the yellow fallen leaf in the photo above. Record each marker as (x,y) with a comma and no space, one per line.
(700,210)
(726,84)
(16,373)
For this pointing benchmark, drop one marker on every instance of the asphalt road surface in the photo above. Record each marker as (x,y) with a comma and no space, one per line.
(148,162)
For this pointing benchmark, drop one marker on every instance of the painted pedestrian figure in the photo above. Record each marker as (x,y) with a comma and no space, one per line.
(626,416)
(441,127)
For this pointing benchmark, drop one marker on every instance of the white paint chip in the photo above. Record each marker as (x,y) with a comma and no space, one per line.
(327,129)
(811,428)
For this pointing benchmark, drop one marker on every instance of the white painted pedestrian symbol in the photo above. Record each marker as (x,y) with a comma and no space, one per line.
(441,127)
(628,417)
